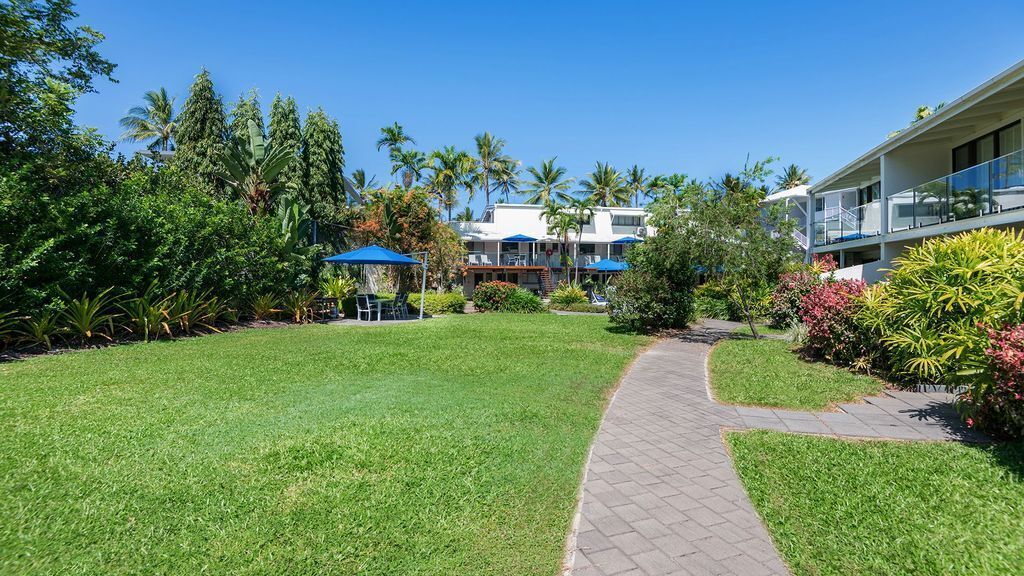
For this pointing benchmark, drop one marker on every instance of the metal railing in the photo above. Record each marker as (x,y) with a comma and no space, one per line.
(847,224)
(989,188)
(525,259)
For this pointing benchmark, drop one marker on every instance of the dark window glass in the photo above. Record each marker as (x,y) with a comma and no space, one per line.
(1009,140)
(986,149)
(961,158)
(587,249)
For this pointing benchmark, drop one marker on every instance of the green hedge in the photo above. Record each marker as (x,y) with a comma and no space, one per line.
(435,303)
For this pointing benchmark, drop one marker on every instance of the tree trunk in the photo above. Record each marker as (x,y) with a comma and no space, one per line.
(746,312)
(487,191)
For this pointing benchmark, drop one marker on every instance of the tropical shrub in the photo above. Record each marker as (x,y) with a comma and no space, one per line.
(994,398)
(8,322)
(299,305)
(88,317)
(522,301)
(264,307)
(823,264)
(568,294)
(339,287)
(829,311)
(191,310)
(712,299)
(928,314)
(491,296)
(148,315)
(436,303)
(784,310)
(656,291)
(40,331)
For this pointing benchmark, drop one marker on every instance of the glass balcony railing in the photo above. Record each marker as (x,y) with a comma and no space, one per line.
(845,224)
(990,188)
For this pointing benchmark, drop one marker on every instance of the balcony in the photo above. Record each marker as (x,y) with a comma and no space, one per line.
(990,188)
(513,259)
(840,224)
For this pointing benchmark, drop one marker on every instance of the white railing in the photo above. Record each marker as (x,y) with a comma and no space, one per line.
(801,238)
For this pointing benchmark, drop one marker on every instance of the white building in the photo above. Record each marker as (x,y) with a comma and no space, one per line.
(959,169)
(496,254)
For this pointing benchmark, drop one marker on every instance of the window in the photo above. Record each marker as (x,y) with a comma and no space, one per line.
(510,246)
(869,193)
(819,204)
(588,249)
(617,249)
(470,246)
(627,220)
(988,147)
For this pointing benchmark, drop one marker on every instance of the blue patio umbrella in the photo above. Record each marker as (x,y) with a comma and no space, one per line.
(627,240)
(372,255)
(382,256)
(519,238)
(607,265)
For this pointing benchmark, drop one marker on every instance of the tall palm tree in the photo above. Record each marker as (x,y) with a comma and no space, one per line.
(561,223)
(358,185)
(393,136)
(466,215)
(547,183)
(451,169)
(606,186)
(791,177)
(491,161)
(637,182)
(506,179)
(410,163)
(582,210)
(155,121)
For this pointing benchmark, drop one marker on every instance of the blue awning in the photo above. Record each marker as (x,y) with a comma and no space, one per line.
(519,238)
(372,255)
(607,265)
(627,240)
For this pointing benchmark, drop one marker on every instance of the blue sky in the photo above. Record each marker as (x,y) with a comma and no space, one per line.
(671,86)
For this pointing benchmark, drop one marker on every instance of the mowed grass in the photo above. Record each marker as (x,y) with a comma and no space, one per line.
(842,507)
(762,330)
(766,372)
(452,446)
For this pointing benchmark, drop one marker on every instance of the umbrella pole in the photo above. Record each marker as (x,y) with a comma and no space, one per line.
(423,288)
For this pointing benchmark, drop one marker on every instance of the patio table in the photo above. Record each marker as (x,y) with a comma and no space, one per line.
(380,302)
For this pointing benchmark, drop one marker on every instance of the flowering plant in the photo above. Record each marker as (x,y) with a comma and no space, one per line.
(829,311)
(787,296)
(996,400)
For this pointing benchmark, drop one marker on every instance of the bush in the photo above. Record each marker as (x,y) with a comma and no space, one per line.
(569,294)
(784,310)
(711,307)
(501,296)
(656,292)
(995,402)
(435,303)
(829,311)
(928,314)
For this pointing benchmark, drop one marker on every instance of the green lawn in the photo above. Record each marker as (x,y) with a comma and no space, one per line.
(761,330)
(839,507)
(452,446)
(765,372)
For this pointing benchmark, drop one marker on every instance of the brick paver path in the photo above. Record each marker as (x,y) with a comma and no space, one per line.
(660,495)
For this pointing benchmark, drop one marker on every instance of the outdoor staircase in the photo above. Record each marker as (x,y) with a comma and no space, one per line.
(546,285)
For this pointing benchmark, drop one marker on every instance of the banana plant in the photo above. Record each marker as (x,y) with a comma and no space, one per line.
(253,170)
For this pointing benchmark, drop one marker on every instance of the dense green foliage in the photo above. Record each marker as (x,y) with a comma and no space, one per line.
(839,507)
(246,109)
(286,132)
(568,294)
(312,449)
(202,129)
(501,296)
(656,291)
(323,159)
(765,372)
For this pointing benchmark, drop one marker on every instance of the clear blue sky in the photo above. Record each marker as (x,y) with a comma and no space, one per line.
(670,86)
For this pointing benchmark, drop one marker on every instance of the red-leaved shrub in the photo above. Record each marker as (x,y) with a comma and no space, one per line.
(825,263)
(999,408)
(828,310)
(787,296)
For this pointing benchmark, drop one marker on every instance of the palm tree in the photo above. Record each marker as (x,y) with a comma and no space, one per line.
(410,162)
(582,210)
(791,177)
(491,161)
(547,183)
(561,223)
(393,136)
(153,121)
(637,182)
(358,185)
(606,186)
(466,215)
(506,179)
(451,169)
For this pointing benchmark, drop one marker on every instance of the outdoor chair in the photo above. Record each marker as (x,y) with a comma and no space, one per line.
(396,308)
(597,299)
(365,305)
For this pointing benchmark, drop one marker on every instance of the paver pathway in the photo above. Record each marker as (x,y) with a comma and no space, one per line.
(661,496)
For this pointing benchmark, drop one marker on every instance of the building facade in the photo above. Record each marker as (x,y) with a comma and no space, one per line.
(511,242)
(959,169)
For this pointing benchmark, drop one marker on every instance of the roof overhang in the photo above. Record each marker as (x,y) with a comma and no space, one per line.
(961,117)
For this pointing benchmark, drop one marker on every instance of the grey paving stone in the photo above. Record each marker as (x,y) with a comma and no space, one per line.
(661,495)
